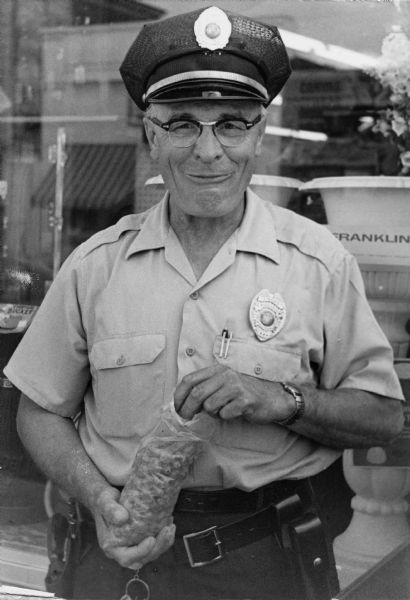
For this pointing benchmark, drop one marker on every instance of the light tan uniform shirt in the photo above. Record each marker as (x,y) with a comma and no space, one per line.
(126,319)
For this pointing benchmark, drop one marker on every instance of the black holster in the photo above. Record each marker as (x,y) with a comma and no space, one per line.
(310,557)
(63,545)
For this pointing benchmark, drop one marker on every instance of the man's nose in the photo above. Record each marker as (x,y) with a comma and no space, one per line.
(207,146)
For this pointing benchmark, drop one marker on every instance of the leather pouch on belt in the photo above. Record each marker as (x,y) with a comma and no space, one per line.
(302,536)
(314,569)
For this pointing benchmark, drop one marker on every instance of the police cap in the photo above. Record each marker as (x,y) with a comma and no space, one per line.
(205,54)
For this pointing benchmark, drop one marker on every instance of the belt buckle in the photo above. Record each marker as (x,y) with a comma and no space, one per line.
(204,533)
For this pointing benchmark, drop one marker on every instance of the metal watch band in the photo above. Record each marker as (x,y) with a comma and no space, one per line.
(299,404)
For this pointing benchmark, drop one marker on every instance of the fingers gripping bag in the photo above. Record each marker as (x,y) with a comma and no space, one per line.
(159,469)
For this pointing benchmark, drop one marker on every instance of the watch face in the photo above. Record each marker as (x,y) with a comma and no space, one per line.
(292,390)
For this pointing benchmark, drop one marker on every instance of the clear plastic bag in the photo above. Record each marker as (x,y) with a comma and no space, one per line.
(160,466)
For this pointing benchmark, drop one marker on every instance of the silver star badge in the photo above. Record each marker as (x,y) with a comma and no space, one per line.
(267,314)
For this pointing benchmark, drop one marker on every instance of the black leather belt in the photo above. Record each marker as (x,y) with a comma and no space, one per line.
(234,500)
(204,547)
(285,502)
(299,534)
(270,506)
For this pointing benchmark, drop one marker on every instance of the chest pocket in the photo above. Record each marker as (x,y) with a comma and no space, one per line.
(276,363)
(128,382)
(259,359)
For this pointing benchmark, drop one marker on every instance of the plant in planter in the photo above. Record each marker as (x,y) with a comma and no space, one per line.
(392,71)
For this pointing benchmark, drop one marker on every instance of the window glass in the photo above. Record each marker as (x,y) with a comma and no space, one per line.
(74,159)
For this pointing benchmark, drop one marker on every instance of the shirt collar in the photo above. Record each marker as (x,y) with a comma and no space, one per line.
(256,233)
(154,229)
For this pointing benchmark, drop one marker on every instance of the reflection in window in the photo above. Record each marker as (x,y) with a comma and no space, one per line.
(59,71)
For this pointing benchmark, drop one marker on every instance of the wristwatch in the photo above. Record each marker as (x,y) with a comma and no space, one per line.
(299,404)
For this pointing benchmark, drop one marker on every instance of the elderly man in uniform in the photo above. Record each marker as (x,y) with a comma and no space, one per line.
(228,305)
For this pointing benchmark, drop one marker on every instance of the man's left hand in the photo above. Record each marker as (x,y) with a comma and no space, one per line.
(222,392)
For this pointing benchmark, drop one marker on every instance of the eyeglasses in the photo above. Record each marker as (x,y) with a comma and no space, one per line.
(183,133)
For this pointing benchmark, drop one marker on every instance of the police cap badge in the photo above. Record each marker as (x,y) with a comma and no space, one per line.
(205,54)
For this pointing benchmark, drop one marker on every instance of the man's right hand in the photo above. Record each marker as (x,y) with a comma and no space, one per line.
(110,515)
(62,457)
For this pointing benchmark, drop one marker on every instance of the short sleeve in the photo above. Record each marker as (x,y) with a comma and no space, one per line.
(357,352)
(50,365)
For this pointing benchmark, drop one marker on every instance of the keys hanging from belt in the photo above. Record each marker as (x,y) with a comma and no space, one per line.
(136,589)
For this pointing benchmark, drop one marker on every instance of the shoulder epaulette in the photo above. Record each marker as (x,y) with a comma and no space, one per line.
(311,238)
(111,235)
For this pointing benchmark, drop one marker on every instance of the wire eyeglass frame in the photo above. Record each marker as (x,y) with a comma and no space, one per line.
(190,138)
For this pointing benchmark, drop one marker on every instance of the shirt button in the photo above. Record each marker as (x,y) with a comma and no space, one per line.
(258,369)
(194,296)
(190,351)
(120,360)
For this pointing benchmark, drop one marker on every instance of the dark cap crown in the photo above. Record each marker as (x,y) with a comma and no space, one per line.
(167,63)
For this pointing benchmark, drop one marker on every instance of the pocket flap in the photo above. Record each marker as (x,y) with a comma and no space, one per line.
(123,352)
(277,363)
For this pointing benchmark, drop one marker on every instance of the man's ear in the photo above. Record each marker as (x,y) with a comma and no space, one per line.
(152,137)
(261,134)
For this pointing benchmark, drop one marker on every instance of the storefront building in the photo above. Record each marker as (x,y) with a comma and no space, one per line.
(74,159)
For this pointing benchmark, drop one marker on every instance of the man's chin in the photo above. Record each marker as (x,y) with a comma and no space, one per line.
(212,200)
(210,195)
(213,205)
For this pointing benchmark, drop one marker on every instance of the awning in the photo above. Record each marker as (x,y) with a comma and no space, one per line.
(96,176)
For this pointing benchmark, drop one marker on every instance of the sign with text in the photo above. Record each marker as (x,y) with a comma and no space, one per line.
(396,454)
(375,244)
(15,317)
(311,95)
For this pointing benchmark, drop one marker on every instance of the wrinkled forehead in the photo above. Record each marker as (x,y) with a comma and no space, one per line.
(206,110)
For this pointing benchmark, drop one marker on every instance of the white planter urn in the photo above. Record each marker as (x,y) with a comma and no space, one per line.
(366,199)
(370,215)
(379,522)
(275,189)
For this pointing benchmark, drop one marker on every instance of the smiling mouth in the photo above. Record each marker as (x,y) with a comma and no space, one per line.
(209,177)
